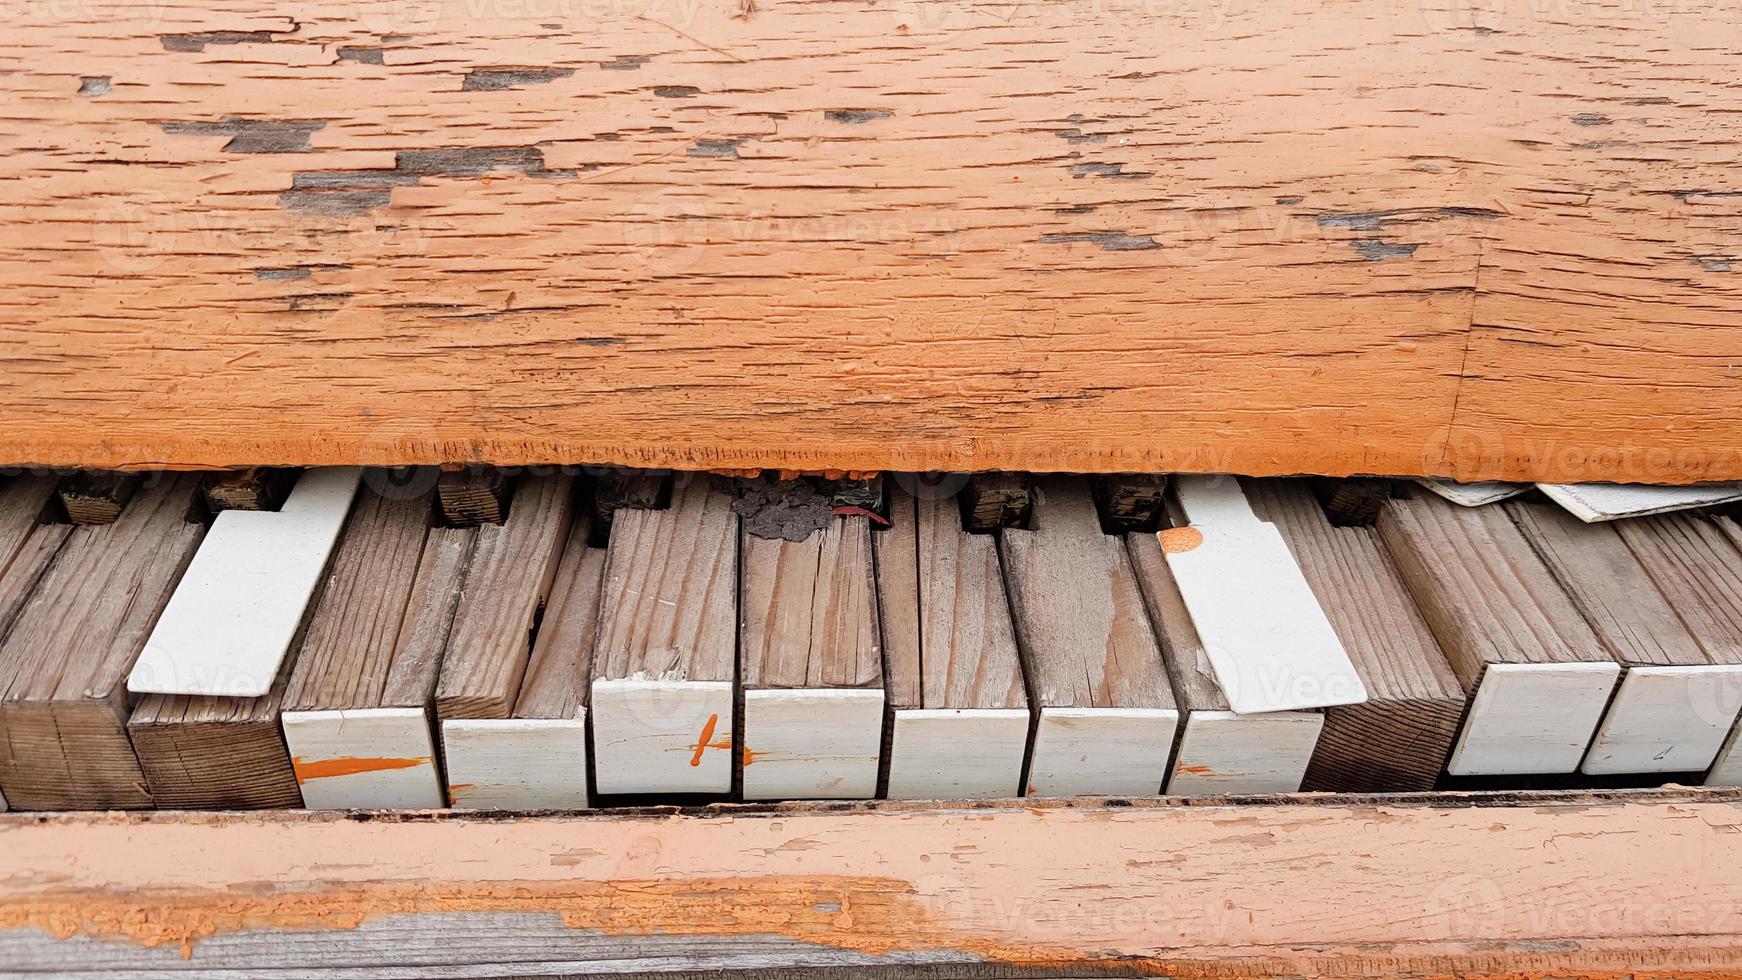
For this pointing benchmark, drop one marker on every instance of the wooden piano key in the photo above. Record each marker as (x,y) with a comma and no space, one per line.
(27,545)
(473,496)
(513,566)
(1269,641)
(1654,723)
(990,501)
(97,496)
(811,665)
(625,489)
(1698,569)
(253,488)
(231,621)
(538,759)
(63,701)
(664,669)
(1400,737)
(959,711)
(201,753)
(1107,714)
(1219,751)
(355,710)
(1537,676)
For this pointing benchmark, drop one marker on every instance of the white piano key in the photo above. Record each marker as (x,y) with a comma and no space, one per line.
(230,622)
(1532,718)
(516,763)
(1268,640)
(364,758)
(1667,719)
(957,753)
(662,736)
(818,743)
(1222,752)
(1101,751)
(1478,494)
(1592,502)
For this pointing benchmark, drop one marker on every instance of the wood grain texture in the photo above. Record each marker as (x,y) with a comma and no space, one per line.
(1400,738)
(509,576)
(560,672)
(210,753)
(569,258)
(808,610)
(63,665)
(26,545)
(641,893)
(1699,571)
(97,496)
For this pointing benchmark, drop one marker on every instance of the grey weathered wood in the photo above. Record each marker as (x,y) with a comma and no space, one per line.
(97,496)
(507,580)
(1631,617)
(1699,571)
(808,610)
(1400,737)
(26,545)
(212,753)
(64,664)
(559,674)
(354,632)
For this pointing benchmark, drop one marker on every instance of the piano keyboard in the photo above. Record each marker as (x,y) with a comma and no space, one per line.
(345,638)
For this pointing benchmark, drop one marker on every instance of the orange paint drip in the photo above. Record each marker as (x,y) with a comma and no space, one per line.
(348,766)
(1179,540)
(747,755)
(702,742)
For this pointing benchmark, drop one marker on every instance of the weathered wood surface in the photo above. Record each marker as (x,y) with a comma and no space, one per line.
(895,890)
(1484,240)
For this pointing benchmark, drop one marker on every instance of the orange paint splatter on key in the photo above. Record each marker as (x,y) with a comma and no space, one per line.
(1179,540)
(456,790)
(307,769)
(707,736)
(1194,770)
(747,755)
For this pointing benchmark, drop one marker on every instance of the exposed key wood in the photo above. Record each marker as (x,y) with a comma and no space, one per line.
(1107,715)
(538,759)
(253,488)
(1130,501)
(664,669)
(200,753)
(959,709)
(1399,739)
(97,496)
(27,545)
(1654,723)
(1699,571)
(811,665)
(63,702)
(1538,678)
(510,574)
(1219,751)
(355,741)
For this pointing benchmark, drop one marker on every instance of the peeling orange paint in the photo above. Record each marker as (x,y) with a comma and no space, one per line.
(702,741)
(307,769)
(1179,540)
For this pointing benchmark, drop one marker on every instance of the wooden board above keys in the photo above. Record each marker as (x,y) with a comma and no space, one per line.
(1107,715)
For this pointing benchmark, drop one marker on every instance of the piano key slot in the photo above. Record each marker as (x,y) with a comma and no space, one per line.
(1106,711)
(991,501)
(474,495)
(254,488)
(1130,501)
(97,496)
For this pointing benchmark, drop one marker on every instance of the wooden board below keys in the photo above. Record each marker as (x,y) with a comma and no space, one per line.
(1219,751)
(63,701)
(538,759)
(356,713)
(1107,715)
(1654,723)
(1538,678)
(663,673)
(1400,737)
(811,665)
(959,718)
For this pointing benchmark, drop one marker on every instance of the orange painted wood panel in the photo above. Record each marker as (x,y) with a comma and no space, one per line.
(1487,240)
(1636,884)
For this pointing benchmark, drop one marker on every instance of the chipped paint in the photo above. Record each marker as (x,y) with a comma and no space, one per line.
(253,135)
(856,117)
(363,55)
(498,79)
(1378,250)
(721,149)
(1112,241)
(92,86)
